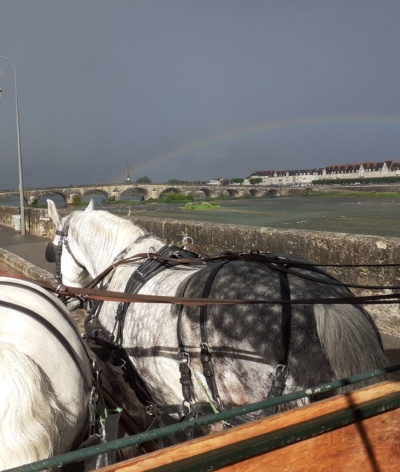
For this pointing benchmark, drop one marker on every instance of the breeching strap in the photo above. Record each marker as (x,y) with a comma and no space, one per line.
(205,355)
(184,358)
(282,370)
(286,317)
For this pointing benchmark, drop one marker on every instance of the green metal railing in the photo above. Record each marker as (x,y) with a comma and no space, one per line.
(227,455)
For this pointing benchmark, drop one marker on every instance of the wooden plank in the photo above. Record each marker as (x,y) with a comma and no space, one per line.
(384,425)
(369,446)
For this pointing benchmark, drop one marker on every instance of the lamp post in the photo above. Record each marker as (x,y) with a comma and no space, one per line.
(21,184)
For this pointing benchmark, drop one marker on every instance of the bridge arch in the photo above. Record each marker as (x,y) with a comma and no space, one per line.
(170,190)
(40,198)
(207,192)
(199,194)
(231,192)
(142,191)
(134,193)
(255,192)
(99,195)
(224,193)
(7,195)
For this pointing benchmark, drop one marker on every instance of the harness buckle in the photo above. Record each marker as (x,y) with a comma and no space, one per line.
(185,379)
(185,410)
(95,371)
(282,369)
(184,362)
(151,410)
(185,355)
(281,375)
(60,287)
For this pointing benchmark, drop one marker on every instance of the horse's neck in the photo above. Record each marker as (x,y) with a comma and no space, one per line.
(101,246)
(144,246)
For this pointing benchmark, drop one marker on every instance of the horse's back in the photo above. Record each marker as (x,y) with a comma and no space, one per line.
(29,311)
(322,338)
(42,355)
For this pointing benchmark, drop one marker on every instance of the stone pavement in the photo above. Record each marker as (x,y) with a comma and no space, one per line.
(25,254)
(29,247)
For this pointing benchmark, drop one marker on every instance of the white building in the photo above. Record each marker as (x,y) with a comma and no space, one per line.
(215,181)
(305,177)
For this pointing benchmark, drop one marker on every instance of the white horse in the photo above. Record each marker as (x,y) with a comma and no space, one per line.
(244,342)
(45,376)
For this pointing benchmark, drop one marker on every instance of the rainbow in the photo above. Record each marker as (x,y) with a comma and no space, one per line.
(266,127)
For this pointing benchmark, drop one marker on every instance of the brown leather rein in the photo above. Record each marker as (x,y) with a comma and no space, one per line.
(89,293)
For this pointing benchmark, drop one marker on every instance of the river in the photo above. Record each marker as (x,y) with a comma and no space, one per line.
(356,215)
(374,216)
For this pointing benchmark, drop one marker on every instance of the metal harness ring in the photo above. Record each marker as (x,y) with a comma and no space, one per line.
(187,238)
(148,252)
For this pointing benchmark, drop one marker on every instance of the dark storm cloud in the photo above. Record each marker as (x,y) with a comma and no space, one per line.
(102,82)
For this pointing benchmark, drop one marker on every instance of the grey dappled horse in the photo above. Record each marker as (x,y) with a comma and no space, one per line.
(245,341)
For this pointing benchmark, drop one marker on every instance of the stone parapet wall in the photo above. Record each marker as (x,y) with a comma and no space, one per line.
(315,246)
(6,214)
(37,220)
(25,267)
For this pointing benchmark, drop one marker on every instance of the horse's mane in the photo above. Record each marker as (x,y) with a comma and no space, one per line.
(28,407)
(104,228)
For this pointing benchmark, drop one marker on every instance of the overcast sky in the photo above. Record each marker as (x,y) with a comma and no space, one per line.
(195,89)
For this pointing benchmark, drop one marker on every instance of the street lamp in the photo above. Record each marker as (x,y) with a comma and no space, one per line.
(21,185)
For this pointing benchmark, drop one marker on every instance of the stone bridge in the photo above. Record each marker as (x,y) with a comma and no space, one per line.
(147,191)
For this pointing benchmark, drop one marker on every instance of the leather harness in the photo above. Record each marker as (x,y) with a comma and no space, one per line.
(108,346)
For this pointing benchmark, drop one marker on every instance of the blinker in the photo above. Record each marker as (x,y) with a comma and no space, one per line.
(50,253)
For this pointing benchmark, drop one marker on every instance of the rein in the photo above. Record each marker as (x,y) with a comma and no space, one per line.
(282,265)
(105,295)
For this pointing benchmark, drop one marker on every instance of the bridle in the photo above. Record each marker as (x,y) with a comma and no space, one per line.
(54,251)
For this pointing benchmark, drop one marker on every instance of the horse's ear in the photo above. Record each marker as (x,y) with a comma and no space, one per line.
(53,213)
(90,207)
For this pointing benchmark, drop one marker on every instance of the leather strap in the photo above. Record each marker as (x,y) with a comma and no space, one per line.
(184,358)
(278,384)
(205,354)
(147,270)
